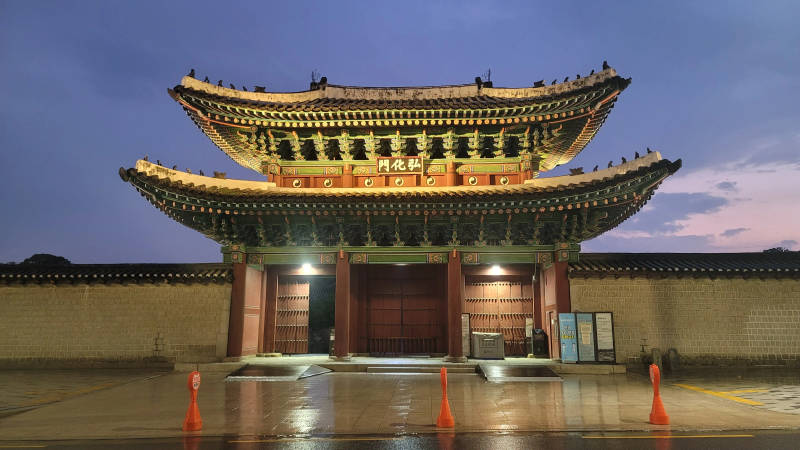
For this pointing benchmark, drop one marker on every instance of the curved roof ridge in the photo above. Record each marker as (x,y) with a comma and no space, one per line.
(399,92)
(621,169)
(150,169)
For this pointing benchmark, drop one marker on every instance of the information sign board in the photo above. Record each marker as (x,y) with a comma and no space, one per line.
(465,334)
(568,336)
(604,324)
(586,348)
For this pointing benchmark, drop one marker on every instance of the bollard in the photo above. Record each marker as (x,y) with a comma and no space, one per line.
(657,414)
(193,422)
(445,419)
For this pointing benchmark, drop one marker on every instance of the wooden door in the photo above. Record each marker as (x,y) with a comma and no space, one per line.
(291,334)
(500,306)
(404,310)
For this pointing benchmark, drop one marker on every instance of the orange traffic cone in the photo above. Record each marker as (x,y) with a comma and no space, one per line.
(445,419)
(658,416)
(193,422)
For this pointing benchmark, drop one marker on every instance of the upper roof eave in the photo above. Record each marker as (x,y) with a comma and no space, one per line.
(384,94)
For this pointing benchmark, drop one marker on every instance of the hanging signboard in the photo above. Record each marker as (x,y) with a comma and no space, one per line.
(586,348)
(568,337)
(604,324)
(400,164)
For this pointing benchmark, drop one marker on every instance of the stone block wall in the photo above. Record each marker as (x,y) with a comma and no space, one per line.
(102,324)
(708,321)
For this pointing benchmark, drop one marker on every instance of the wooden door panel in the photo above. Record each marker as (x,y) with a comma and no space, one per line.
(500,306)
(291,335)
(404,307)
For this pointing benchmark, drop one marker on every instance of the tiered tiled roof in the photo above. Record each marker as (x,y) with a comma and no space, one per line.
(552,123)
(539,212)
(115,273)
(260,191)
(772,265)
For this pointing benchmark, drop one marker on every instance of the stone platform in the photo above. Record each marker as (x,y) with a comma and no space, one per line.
(401,365)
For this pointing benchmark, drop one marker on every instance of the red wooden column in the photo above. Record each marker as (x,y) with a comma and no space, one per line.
(455,300)
(270,308)
(347,176)
(554,288)
(354,306)
(245,312)
(538,313)
(342,307)
(450,174)
(262,320)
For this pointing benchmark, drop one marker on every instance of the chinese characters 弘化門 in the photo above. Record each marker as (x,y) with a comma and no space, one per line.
(402,164)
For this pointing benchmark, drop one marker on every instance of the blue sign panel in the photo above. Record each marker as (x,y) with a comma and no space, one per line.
(586,348)
(568,336)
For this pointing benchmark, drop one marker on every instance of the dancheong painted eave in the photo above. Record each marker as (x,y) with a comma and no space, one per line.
(539,212)
(549,123)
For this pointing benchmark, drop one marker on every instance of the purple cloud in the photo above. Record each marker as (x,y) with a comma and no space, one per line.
(733,232)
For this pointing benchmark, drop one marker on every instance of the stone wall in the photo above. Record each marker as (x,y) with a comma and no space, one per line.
(112,324)
(708,321)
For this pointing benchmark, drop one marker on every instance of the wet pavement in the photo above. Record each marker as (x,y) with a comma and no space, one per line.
(770,389)
(447,440)
(340,403)
(21,390)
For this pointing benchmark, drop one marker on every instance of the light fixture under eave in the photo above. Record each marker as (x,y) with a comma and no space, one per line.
(495,270)
(306,269)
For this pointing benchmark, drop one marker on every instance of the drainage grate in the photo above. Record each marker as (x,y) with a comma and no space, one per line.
(275,373)
(503,373)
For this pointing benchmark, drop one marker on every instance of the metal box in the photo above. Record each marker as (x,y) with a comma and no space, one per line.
(488,345)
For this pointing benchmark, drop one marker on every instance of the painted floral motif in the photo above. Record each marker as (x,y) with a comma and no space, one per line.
(358,258)
(436,258)
(469,258)
(327,258)
(544,258)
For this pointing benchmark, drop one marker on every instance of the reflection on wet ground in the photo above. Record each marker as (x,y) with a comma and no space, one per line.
(24,389)
(364,403)
(658,440)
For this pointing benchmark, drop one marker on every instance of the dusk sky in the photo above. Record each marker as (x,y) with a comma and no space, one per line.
(84,85)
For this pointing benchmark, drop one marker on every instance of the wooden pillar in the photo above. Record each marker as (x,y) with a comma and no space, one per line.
(562,287)
(354,306)
(455,300)
(555,299)
(538,318)
(245,311)
(263,319)
(450,174)
(270,309)
(347,176)
(342,306)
